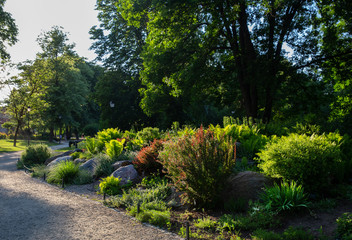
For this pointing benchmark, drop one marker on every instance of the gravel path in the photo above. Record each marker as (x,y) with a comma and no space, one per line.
(33,209)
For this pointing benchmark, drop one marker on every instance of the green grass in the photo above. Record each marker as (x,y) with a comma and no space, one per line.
(6,145)
(62,150)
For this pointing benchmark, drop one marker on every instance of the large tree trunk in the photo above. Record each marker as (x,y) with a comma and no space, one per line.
(51,134)
(16,134)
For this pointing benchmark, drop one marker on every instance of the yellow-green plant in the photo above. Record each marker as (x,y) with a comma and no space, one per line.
(315,162)
(109,134)
(110,185)
(114,148)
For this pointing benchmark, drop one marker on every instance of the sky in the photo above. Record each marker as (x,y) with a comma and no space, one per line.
(35,16)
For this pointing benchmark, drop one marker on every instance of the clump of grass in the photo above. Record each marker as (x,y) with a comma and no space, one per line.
(64,171)
(39,171)
(83,177)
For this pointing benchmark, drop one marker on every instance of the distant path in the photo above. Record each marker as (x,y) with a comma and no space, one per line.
(32,209)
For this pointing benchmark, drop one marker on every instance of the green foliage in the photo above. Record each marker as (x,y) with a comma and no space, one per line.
(206,223)
(314,162)
(250,147)
(153,181)
(235,205)
(91,129)
(287,197)
(8,32)
(289,234)
(134,196)
(114,148)
(227,222)
(147,160)
(35,154)
(39,171)
(344,226)
(83,177)
(148,134)
(66,171)
(198,165)
(261,234)
(104,166)
(152,207)
(75,155)
(256,219)
(106,135)
(94,145)
(296,234)
(110,185)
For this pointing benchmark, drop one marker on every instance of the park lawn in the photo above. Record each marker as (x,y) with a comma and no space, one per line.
(65,149)
(6,145)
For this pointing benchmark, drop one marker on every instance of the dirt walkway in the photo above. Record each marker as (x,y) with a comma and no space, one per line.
(32,209)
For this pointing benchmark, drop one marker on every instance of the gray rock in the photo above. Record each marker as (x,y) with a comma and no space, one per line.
(245,185)
(79,160)
(126,173)
(58,160)
(89,165)
(122,163)
(49,160)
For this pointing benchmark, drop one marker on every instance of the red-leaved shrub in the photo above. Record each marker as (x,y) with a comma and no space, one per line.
(147,161)
(199,165)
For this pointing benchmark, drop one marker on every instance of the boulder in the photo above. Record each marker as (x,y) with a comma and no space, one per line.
(122,163)
(79,160)
(89,165)
(58,160)
(49,160)
(126,173)
(245,185)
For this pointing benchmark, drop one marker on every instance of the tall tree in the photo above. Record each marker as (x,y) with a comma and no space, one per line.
(66,86)
(27,90)
(8,31)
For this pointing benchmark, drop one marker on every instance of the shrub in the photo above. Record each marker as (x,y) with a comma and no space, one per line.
(91,129)
(35,154)
(286,197)
(198,165)
(114,148)
(148,134)
(94,145)
(147,160)
(109,134)
(344,226)
(312,161)
(110,185)
(104,166)
(251,146)
(3,135)
(66,171)
(75,155)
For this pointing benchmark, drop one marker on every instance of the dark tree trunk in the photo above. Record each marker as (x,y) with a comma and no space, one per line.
(51,134)
(16,134)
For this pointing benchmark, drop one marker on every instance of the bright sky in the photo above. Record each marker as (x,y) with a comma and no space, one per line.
(35,16)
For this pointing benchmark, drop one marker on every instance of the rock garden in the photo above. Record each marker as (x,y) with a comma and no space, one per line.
(242,180)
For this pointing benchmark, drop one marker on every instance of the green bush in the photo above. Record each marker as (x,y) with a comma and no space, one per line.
(344,226)
(206,223)
(315,162)
(114,148)
(91,129)
(75,155)
(104,166)
(109,134)
(110,185)
(66,171)
(284,198)
(198,165)
(148,134)
(147,160)
(94,145)
(35,154)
